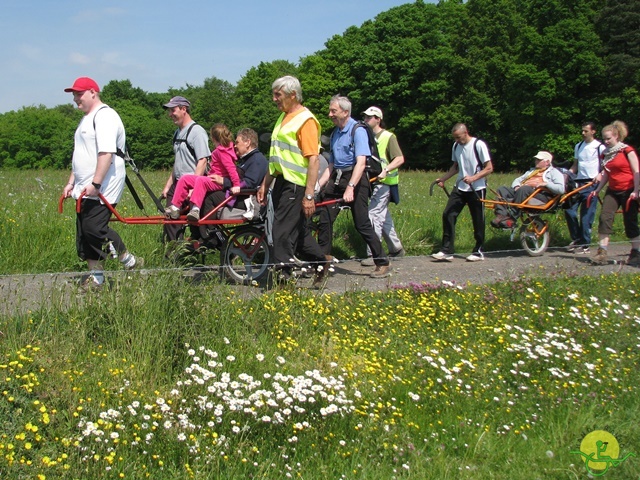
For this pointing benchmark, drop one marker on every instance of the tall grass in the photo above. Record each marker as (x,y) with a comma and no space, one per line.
(34,238)
(166,376)
(158,377)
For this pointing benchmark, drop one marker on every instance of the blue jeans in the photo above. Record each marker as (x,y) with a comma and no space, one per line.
(580,228)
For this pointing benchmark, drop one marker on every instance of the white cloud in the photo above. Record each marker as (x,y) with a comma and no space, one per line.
(113,58)
(79,58)
(30,52)
(97,15)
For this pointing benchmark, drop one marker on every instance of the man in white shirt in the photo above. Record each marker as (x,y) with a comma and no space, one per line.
(97,168)
(586,167)
(471,164)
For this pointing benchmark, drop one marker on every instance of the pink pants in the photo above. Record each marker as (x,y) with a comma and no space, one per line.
(201,185)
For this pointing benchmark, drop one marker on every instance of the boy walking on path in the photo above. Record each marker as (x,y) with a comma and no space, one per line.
(386,188)
(471,164)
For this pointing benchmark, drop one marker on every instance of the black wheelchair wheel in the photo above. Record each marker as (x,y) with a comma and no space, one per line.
(245,257)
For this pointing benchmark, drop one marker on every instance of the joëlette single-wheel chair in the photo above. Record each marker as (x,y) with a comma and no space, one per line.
(532,228)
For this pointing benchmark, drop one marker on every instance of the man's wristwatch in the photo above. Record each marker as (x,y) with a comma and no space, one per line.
(352,185)
(97,186)
(308,196)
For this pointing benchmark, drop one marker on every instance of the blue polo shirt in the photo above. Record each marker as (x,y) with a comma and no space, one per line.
(343,154)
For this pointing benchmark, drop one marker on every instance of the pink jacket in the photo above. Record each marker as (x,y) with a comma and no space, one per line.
(223,163)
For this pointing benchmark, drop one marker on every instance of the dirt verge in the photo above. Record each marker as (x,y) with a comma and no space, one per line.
(23,293)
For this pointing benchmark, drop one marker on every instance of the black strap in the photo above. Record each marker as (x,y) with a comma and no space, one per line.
(129,161)
(475,152)
(184,140)
(134,194)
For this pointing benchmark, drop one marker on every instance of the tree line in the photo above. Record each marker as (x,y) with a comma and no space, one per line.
(522,74)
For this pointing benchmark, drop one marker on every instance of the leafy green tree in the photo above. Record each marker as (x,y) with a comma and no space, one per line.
(618,25)
(549,85)
(403,62)
(522,74)
(213,102)
(37,137)
(255,105)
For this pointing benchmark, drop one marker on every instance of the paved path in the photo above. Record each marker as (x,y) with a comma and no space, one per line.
(22,293)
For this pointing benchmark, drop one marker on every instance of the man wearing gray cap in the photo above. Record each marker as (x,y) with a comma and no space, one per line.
(386,188)
(191,148)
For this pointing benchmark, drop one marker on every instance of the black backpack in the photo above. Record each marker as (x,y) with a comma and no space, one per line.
(569,186)
(373,166)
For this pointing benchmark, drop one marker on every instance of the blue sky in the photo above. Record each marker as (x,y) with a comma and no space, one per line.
(158,44)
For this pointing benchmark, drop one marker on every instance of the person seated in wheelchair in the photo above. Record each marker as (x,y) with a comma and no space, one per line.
(544,179)
(252,167)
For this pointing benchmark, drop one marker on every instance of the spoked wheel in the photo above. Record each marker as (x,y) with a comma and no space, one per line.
(245,257)
(534,236)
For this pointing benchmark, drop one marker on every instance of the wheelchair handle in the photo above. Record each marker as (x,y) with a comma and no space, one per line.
(628,205)
(433,184)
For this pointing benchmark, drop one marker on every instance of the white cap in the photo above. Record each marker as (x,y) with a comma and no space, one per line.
(544,155)
(373,112)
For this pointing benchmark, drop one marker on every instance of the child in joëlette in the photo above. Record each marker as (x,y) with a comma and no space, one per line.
(222,163)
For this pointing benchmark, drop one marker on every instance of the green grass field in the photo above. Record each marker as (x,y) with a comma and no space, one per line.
(36,239)
(166,377)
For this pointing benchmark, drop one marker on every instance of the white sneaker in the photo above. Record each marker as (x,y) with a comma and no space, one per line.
(442,256)
(367,262)
(172,212)
(250,209)
(475,257)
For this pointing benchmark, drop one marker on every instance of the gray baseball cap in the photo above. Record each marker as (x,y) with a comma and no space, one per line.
(177,102)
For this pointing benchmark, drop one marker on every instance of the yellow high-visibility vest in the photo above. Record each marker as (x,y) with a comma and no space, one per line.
(285,157)
(392,177)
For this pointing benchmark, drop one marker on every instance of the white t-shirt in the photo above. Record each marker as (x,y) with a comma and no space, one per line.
(465,156)
(107,137)
(588,157)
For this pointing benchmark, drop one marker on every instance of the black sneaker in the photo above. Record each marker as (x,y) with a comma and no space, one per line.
(400,253)
(572,246)
(634,258)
